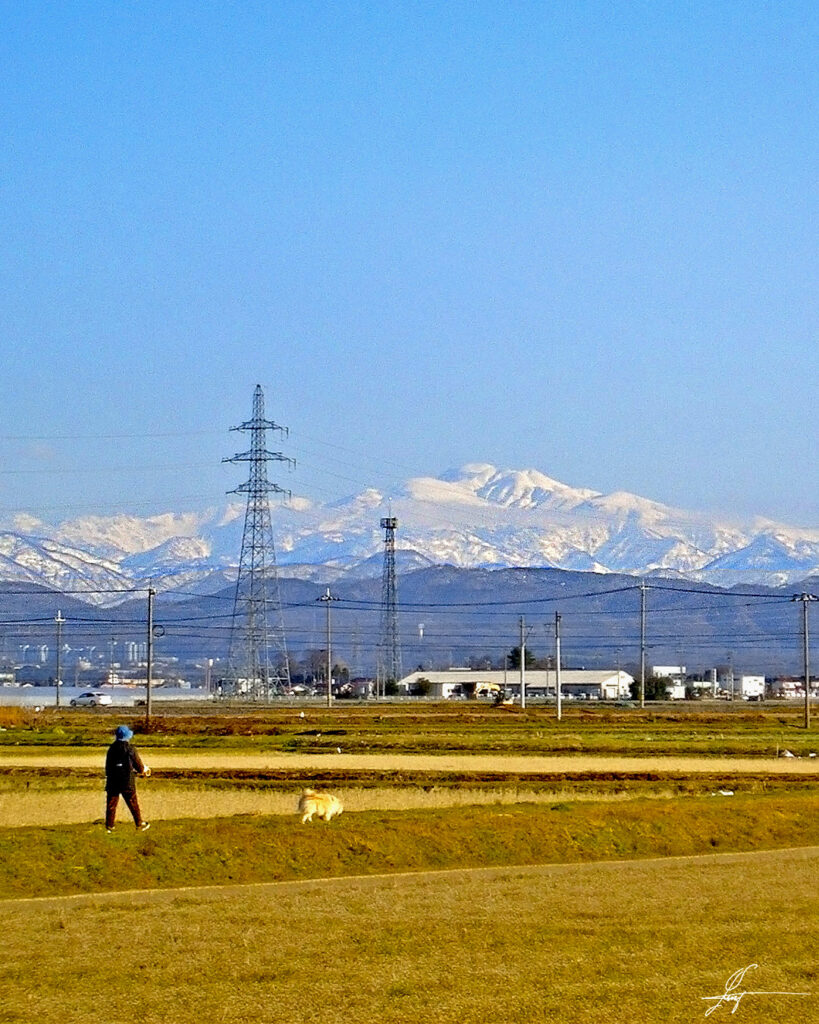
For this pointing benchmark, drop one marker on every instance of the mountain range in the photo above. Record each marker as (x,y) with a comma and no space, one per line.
(477,516)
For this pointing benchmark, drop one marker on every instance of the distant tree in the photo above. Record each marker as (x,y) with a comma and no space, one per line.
(656,688)
(480,662)
(315,661)
(421,687)
(513,658)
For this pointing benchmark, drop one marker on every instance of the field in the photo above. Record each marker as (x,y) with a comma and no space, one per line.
(615,943)
(436,729)
(535,890)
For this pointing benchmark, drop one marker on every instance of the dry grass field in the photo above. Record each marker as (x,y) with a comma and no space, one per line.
(160,930)
(612,943)
(51,796)
(166,803)
(180,759)
(438,728)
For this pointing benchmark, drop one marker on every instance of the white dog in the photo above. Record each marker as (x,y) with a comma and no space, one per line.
(325,805)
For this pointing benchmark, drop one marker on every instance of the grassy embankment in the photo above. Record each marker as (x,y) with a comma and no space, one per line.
(595,942)
(82,858)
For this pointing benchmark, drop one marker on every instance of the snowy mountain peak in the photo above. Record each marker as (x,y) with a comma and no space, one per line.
(170,554)
(475,474)
(437,490)
(529,488)
(624,505)
(513,488)
(129,535)
(475,516)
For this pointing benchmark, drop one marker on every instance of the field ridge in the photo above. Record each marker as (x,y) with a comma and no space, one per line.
(36,861)
(226,888)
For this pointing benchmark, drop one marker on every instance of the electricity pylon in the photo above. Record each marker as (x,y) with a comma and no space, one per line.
(388,667)
(257,661)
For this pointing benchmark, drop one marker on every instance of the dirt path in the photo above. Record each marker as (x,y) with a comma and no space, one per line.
(33,757)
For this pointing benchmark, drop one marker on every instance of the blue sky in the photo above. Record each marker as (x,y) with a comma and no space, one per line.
(579,237)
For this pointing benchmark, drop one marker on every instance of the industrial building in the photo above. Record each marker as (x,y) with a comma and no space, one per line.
(580,684)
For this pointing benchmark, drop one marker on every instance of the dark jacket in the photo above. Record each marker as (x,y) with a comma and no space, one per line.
(122,765)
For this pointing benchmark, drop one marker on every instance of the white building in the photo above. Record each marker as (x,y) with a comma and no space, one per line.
(675,672)
(790,687)
(581,684)
(751,687)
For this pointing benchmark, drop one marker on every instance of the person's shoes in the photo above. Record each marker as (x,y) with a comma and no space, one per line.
(110,831)
(144,826)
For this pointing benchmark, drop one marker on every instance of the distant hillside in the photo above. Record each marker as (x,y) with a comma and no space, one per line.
(448,615)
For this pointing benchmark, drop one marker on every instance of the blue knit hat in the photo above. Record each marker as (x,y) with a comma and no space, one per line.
(123,732)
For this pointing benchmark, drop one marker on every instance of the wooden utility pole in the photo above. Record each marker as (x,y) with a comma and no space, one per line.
(558,692)
(328,599)
(149,656)
(642,643)
(59,620)
(806,599)
(522,662)
(557,667)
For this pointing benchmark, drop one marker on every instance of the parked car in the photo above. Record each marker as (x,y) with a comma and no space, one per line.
(91,699)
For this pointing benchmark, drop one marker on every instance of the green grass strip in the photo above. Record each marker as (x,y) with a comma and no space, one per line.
(83,858)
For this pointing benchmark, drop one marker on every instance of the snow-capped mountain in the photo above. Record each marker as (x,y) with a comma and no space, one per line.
(476,516)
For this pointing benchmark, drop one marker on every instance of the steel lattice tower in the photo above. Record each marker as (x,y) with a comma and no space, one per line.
(257,661)
(389,647)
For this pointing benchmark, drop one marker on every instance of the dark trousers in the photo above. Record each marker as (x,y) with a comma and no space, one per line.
(111,801)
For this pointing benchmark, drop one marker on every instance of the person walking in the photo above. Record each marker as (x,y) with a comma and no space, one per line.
(122,767)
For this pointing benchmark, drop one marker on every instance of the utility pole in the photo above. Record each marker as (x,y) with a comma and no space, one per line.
(149,656)
(59,620)
(522,662)
(806,599)
(557,667)
(642,643)
(328,599)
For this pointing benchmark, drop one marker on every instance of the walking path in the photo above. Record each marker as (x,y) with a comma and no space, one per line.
(158,758)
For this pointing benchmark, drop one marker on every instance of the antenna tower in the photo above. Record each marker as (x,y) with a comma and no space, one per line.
(389,648)
(257,659)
